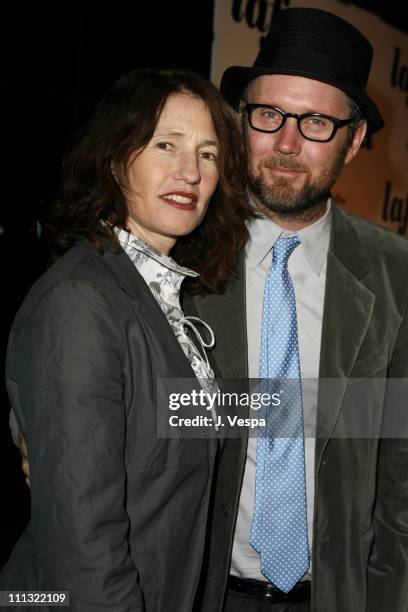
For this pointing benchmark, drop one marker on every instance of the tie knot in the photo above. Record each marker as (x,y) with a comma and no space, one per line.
(284,247)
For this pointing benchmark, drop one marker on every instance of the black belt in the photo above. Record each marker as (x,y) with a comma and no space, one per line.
(267,592)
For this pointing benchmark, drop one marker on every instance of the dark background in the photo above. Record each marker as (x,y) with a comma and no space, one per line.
(57,62)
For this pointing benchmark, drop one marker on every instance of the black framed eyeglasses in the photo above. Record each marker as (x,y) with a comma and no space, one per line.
(312,126)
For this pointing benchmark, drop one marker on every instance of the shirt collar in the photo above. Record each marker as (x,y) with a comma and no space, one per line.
(314,238)
(131,243)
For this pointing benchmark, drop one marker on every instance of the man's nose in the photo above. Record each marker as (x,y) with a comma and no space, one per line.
(188,169)
(288,139)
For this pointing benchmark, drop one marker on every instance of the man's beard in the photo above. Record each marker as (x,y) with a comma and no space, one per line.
(280,197)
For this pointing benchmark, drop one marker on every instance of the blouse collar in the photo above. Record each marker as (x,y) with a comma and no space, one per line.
(133,245)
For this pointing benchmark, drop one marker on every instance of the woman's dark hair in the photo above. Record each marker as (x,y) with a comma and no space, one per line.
(125,121)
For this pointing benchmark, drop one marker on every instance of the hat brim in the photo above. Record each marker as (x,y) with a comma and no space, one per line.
(236,79)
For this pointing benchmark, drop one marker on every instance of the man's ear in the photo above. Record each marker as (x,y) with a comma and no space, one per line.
(357,141)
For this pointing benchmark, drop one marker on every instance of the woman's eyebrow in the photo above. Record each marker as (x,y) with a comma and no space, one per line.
(177,133)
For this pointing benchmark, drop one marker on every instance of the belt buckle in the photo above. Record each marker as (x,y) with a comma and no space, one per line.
(272,593)
(268,596)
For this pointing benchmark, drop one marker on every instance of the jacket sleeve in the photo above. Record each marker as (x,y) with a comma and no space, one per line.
(68,366)
(388,563)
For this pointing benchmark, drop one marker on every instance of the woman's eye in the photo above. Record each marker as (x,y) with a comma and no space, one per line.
(208,155)
(164,146)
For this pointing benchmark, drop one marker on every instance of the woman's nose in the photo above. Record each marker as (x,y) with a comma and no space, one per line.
(188,169)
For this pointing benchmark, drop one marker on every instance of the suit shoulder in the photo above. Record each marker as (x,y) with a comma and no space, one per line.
(377,239)
(82,261)
(79,272)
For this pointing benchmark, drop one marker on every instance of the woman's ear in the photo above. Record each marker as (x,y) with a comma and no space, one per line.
(113,172)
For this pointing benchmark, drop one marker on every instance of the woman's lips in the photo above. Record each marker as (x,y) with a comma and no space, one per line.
(183,200)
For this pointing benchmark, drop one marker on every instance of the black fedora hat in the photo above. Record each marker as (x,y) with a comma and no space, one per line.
(315,44)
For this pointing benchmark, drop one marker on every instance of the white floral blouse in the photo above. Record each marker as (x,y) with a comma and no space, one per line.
(164,276)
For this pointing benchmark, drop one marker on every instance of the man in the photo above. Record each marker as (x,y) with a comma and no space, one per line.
(336,539)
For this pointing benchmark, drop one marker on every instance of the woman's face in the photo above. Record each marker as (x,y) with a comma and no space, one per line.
(170,183)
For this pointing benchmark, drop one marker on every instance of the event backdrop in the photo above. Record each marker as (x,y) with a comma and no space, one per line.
(375,184)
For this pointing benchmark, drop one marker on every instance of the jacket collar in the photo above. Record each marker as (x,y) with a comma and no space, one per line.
(346,245)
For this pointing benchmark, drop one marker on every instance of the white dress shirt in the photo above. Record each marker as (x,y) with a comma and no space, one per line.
(307,268)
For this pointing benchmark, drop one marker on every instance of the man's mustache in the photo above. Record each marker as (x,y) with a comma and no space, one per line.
(283,163)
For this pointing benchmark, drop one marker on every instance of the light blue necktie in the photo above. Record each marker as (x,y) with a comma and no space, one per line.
(279,526)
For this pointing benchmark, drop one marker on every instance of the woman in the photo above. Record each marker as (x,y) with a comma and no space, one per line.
(118,514)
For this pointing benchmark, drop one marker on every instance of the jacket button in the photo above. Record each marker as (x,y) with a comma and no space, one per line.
(225,510)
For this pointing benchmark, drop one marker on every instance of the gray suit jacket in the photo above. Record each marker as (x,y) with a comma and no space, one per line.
(360,553)
(118,514)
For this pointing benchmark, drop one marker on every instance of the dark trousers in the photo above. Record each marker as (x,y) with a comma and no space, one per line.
(240,602)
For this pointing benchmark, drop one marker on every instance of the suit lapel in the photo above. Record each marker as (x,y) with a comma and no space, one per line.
(134,285)
(348,310)
(227,315)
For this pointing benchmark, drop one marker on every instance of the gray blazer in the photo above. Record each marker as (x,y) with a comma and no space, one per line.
(360,552)
(118,515)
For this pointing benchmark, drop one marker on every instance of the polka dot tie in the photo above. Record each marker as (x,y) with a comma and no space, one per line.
(279,526)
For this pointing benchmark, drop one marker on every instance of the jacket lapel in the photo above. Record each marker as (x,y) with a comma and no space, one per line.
(227,315)
(134,285)
(348,310)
